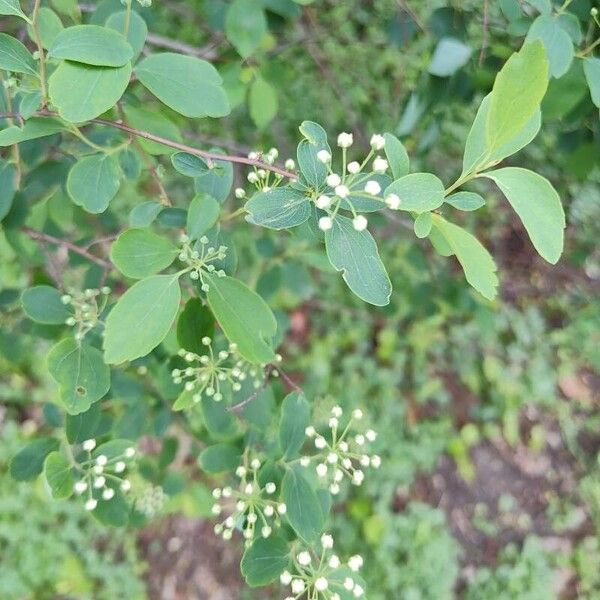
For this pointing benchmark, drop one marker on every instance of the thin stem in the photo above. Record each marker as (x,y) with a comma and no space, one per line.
(15,148)
(564,7)
(587,50)
(42,58)
(234,214)
(127,18)
(460,181)
(211,156)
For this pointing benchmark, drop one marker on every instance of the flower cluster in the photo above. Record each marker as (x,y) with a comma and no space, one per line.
(322,577)
(342,453)
(253,508)
(150,499)
(87,308)
(200,258)
(101,475)
(206,374)
(262,179)
(342,185)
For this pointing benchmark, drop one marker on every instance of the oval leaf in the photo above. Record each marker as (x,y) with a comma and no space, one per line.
(28,463)
(202,215)
(140,253)
(15,57)
(295,414)
(93,182)
(264,561)
(220,458)
(418,192)
(467,201)
(42,304)
(303,508)
(280,208)
(58,475)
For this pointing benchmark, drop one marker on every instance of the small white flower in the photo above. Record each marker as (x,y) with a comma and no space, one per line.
(252,177)
(376,461)
(305,461)
(327,541)
(393,201)
(365,461)
(99,481)
(269,510)
(108,493)
(333,179)
(125,485)
(323,156)
(297,586)
(372,187)
(80,487)
(89,445)
(285,578)
(333,423)
(240,506)
(262,173)
(348,583)
(216,493)
(323,201)
(290,165)
(310,431)
(226,492)
(357,414)
(343,446)
(304,558)
(91,504)
(360,222)
(334,561)
(270,488)
(359,439)
(120,466)
(101,460)
(358,591)
(240,471)
(347,463)
(345,140)
(321,584)
(338,475)
(325,223)
(282,508)
(336,411)
(266,531)
(332,458)
(240,193)
(321,469)
(380,165)
(320,442)
(355,562)
(255,463)
(216,509)
(251,518)
(358,477)
(253,155)
(249,489)
(334,488)
(342,191)
(377,141)
(371,435)
(353,167)
(130,452)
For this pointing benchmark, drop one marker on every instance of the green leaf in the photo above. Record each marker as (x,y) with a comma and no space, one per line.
(217,181)
(303,508)
(15,57)
(79,370)
(143,214)
(148,308)
(58,475)
(139,253)
(264,561)
(12,7)
(313,170)
(33,129)
(220,458)
(203,213)
(591,68)
(538,205)
(279,208)
(244,316)
(245,26)
(93,182)
(517,93)
(423,225)
(476,261)
(313,132)
(355,254)
(8,186)
(155,123)
(511,9)
(42,304)
(467,201)
(29,462)
(558,44)
(188,164)
(82,92)
(136,33)
(262,102)
(295,415)
(113,512)
(477,154)
(418,192)
(188,85)
(194,323)
(83,426)
(396,155)
(220,423)
(92,45)
(449,56)
(49,26)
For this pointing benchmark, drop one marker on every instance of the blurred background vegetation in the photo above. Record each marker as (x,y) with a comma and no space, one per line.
(488,413)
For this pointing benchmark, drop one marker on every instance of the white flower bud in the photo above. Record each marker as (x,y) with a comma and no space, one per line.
(333,179)
(269,510)
(353,167)
(342,191)
(320,442)
(377,142)
(325,223)
(91,504)
(323,201)
(348,583)
(321,584)
(80,487)
(334,561)
(297,586)
(240,193)
(130,452)
(270,488)
(336,411)
(321,469)
(327,541)
(285,578)
(108,493)
(282,508)
(358,591)
(304,558)
(89,445)
(380,165)
(355,562)
(360,222)
(290,165)
(345,140)
(125,485)
(334,488)
(252,177)
(371,435)
(357,414)
(393,201)
(305,461)
(99,481)
(372,187)
(323,156)
(376,461)
(101,460)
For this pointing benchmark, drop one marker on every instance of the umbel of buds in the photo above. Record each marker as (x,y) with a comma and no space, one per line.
(200,258)
(100,476)
(86,306)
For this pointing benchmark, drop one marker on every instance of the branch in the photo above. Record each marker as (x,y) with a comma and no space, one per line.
(40,236)
(237,408)
(211,156)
